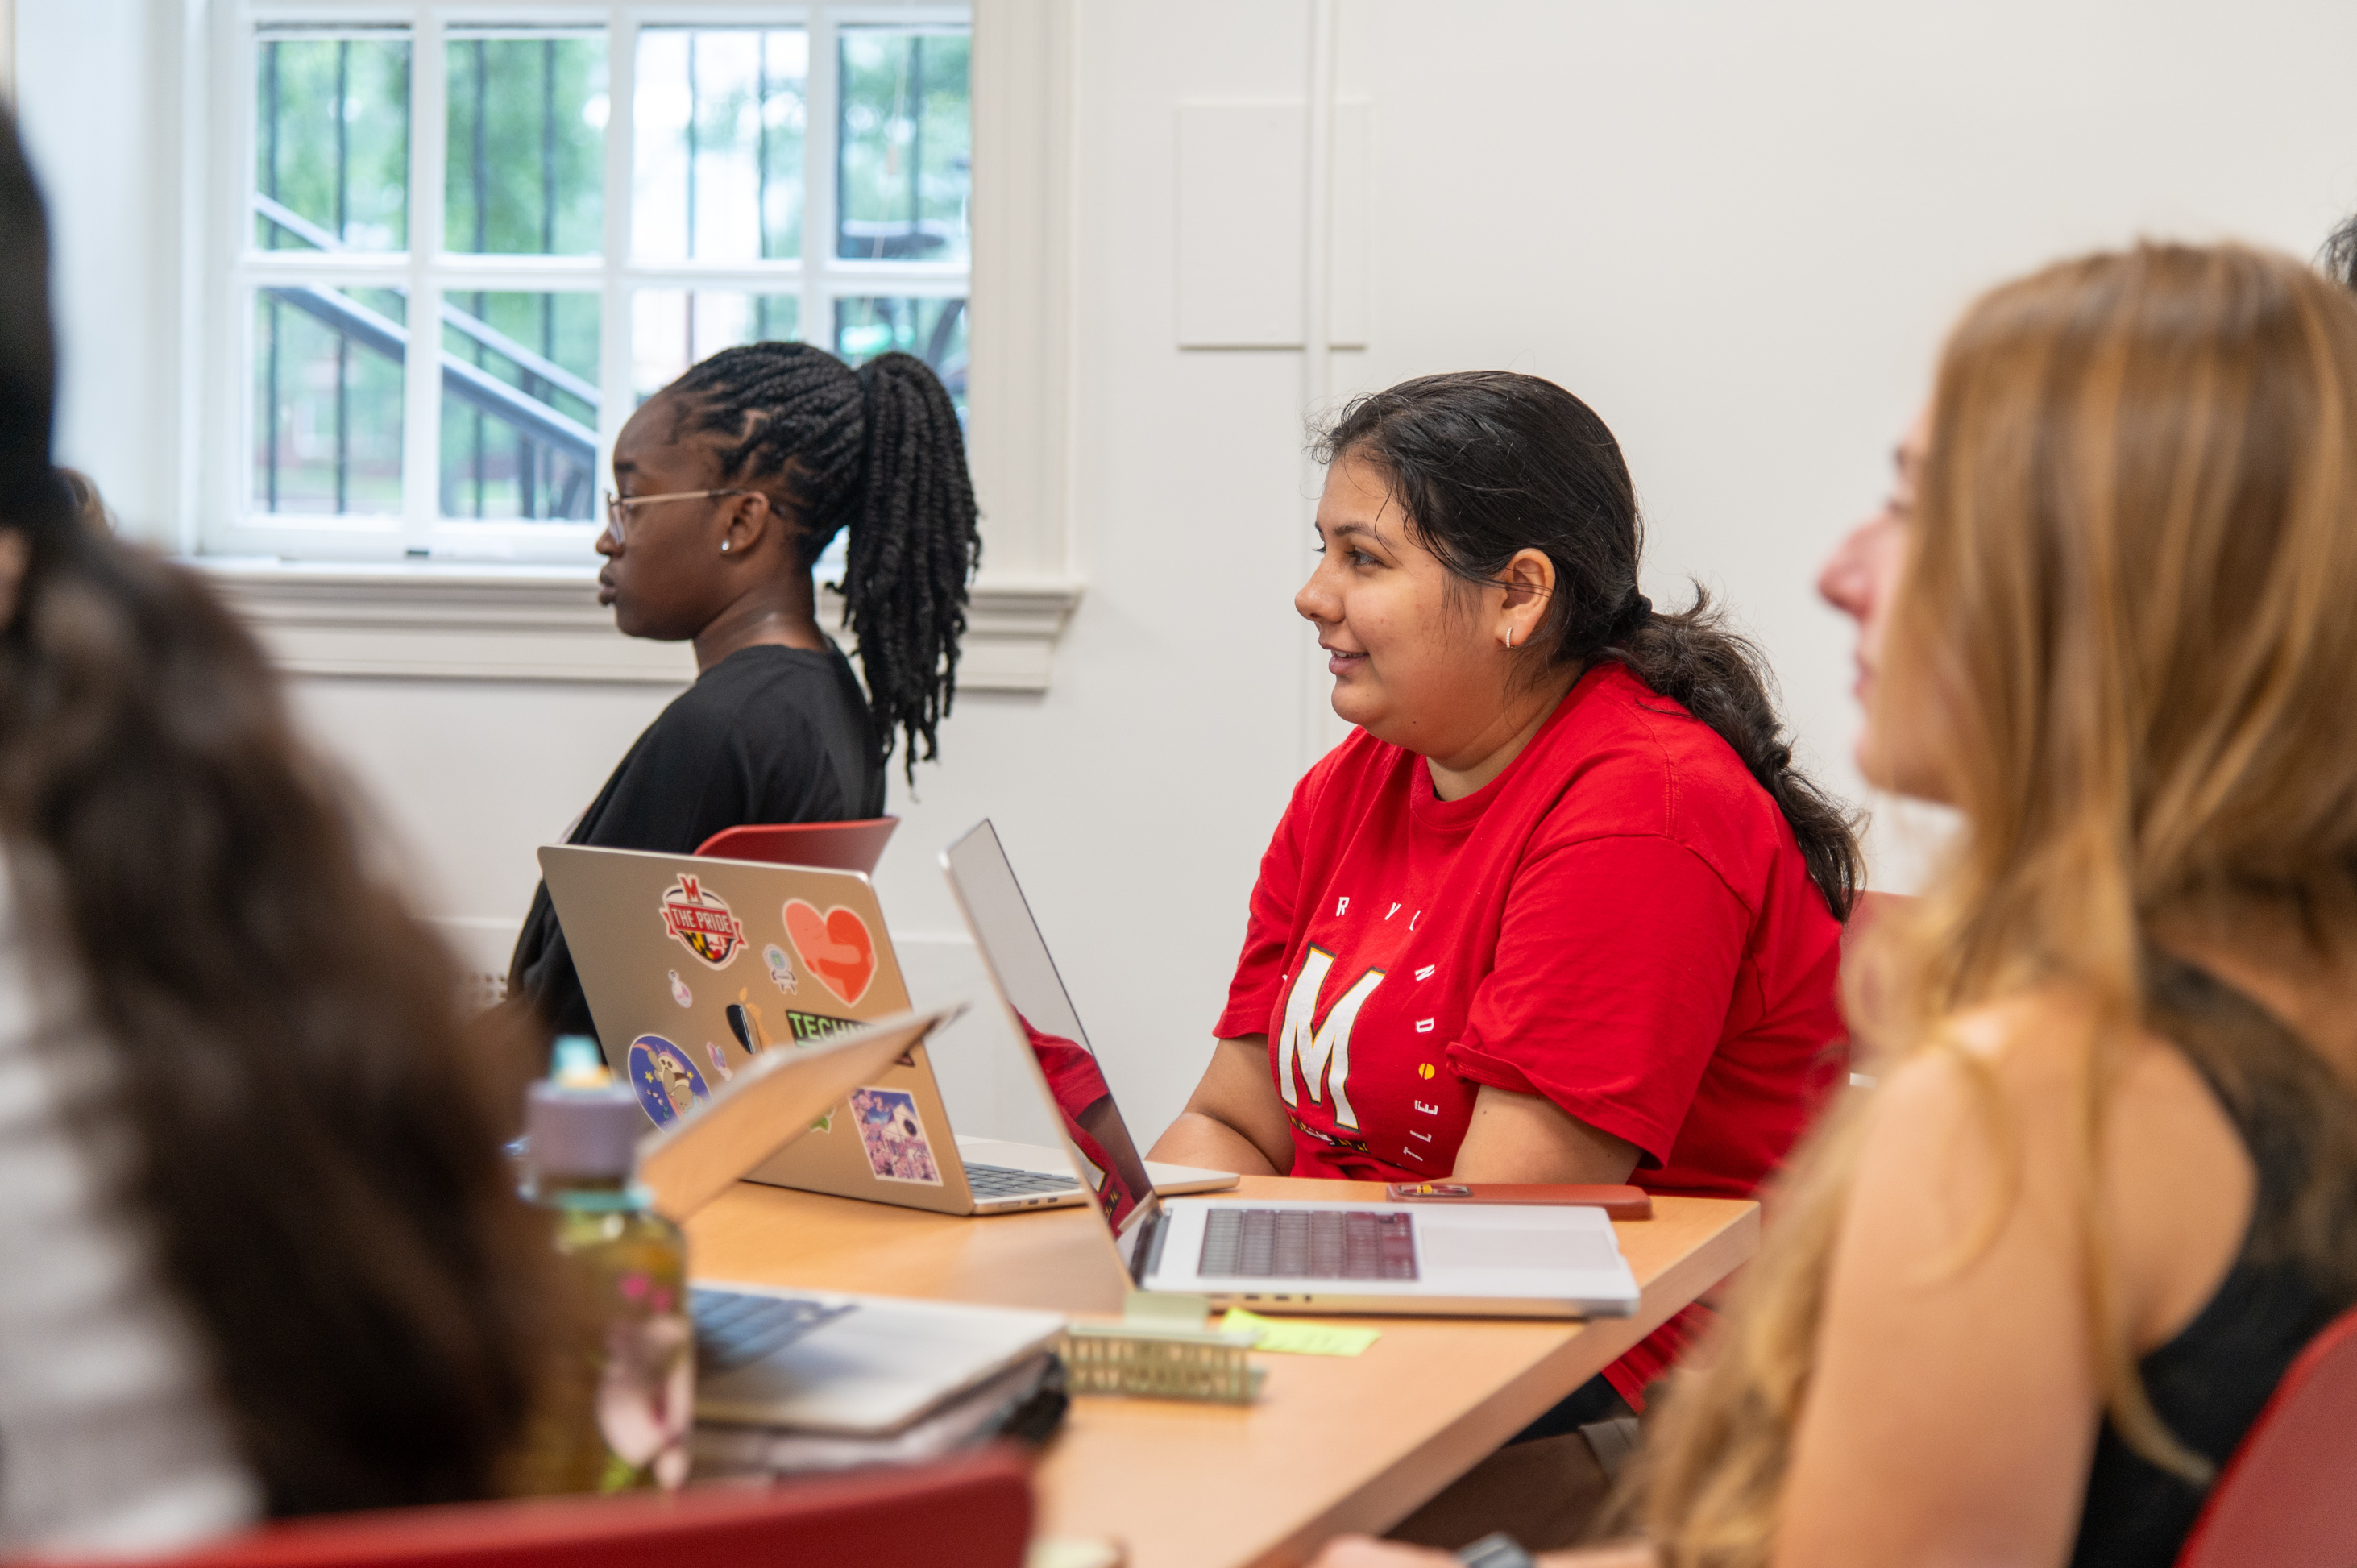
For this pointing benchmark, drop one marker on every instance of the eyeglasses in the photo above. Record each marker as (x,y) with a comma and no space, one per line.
(617,508)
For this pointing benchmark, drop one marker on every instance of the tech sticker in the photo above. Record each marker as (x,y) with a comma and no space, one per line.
(701,921)
(781,968)
(679,991)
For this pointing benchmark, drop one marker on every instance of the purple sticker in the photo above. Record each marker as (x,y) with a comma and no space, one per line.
(667,1082)
(894,1136)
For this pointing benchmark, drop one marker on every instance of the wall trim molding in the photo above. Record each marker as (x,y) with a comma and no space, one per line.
(428,621)
(1020,335)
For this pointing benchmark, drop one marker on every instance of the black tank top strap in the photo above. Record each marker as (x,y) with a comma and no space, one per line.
(2296,1270)
(2295,1115)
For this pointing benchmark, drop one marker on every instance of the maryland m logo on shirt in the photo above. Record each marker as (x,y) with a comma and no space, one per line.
(1358,1043)
(1320,1056)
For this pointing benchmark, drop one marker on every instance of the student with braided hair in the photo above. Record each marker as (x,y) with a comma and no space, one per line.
(728,484)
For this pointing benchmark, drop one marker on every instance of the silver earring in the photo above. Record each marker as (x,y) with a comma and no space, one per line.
(1509,637)
(724,547)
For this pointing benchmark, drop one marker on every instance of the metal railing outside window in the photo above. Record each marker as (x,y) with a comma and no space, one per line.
(561,216)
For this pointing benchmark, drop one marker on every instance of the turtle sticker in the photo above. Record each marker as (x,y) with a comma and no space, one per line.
(701,920)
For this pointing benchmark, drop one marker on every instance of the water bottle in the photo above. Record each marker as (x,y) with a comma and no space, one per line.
(619,1416)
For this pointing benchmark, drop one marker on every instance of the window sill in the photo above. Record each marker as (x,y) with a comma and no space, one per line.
(452,622)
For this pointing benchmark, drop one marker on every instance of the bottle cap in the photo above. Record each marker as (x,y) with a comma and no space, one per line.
(589,1131)
(578,1063)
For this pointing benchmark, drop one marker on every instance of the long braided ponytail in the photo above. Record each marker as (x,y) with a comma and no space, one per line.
(877,450)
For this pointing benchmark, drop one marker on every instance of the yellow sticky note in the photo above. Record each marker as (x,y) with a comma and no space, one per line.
(1297,1338)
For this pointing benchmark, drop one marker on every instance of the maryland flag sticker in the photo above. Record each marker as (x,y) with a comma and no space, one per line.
(701,920)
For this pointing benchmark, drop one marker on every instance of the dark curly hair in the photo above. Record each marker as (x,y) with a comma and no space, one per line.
(2337,260)
(1488,463)
(877,450)
(316,1130)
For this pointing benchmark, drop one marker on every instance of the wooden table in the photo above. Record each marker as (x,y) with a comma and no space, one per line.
(1334,1443)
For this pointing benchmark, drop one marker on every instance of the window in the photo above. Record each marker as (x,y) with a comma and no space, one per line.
(561,208)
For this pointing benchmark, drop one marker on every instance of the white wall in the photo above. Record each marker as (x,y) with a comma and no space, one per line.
(1736,230)
(96,94)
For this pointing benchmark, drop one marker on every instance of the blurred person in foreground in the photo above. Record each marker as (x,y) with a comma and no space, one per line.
(263,1255)
(2020,1303)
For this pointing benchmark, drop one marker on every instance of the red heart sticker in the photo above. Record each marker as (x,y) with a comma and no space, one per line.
(835,947)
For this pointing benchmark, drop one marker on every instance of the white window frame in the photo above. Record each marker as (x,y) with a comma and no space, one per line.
(428,272)
(443,621)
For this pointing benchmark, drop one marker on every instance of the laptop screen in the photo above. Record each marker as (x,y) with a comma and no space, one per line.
(1043,1016)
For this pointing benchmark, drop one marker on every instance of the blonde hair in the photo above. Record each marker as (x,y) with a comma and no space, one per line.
(2128,603)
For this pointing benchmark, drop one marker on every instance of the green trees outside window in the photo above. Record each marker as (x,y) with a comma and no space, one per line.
(806,179)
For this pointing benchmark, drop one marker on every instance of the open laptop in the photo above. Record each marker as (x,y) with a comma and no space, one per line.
(1279,1255)
(821,1362)
(694,966)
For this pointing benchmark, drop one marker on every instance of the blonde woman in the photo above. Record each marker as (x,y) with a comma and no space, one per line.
(2020,1306)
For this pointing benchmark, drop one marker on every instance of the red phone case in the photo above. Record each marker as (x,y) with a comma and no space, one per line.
(1617,1202)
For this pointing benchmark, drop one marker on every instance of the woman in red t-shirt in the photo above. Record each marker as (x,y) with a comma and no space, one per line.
(1562,910)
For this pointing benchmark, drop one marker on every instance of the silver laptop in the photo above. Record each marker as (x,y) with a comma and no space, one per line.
(862,1366)
(1271,1254)
(695,966)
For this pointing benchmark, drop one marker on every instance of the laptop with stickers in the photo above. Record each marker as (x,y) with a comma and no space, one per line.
(694,966)
(855,1366)
(1273,1254)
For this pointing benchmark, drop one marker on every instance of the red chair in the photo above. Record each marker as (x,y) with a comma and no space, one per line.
(837,846)
(974,1510)
(2287,1498)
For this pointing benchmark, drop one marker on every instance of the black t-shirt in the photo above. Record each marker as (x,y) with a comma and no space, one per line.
(768,734)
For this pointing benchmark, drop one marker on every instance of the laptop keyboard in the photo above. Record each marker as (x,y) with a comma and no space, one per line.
(1005,1181)
(1308,1244)
(734,1330)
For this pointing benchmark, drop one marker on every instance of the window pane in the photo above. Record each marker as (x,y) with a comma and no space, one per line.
(326,388)
(332,143)
(933,330)
(519,405)
(719,118)
(906,169)
(671,328)
(525,166)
